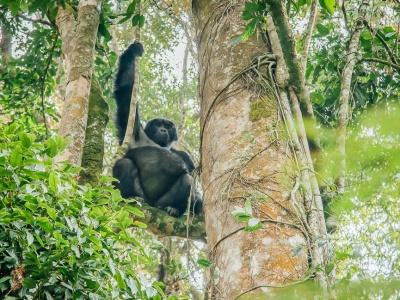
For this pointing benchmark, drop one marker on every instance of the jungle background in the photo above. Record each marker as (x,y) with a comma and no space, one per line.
(66,235)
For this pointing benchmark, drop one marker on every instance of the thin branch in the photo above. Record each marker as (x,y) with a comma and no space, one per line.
(385,45)
(287,41)
(309,31)
(381,61)
(43,80)
(272,286)
(346,21)
(40,21)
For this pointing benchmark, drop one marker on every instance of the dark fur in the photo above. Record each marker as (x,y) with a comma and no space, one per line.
(123,85)
(151,169)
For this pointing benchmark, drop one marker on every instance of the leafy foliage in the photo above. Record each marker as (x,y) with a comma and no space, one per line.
(59,239)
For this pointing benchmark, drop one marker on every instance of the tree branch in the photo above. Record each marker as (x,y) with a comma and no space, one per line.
(309,31)
(42,80)
(381,61)
(345,84)
(40,21)
(162,224)
(286,39)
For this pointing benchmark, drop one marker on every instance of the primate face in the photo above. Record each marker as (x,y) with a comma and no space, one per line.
(161,131)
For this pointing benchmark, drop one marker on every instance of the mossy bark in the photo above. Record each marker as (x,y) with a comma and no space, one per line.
(246,157)
(78,37)
(162,224)
(93,151)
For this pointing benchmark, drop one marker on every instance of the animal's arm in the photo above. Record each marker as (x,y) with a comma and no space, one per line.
(186,159)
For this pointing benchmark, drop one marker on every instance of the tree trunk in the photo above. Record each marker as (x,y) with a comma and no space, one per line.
(78,39)
(5,46)
(245,156)
(345,84)
(93,153)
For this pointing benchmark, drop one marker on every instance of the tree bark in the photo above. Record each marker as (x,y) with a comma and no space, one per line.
(5,46)
(93,152)
(162,224)
(78,38)
(345,84)
(312,214)
(245,155)
(308,33)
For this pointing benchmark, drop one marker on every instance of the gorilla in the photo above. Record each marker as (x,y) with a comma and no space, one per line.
(151,168)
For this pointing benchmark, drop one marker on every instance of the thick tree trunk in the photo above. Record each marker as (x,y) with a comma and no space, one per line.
(93,153)
(345,84)
(245,155)
(78,38)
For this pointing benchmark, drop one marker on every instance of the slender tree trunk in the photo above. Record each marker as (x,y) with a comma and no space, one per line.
(245,156)
(78,38)
(5,46)
(308,33)
(345,84)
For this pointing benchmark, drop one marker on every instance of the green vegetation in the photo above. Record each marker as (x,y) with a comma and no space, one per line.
(60,239)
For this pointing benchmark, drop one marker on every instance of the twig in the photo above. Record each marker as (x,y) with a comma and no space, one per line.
(43,79)
(381,61)
(41,21)
(272,286)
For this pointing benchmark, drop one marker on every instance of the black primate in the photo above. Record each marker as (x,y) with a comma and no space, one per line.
(151,168)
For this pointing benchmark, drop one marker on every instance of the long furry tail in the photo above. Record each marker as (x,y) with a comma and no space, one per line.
(124,82)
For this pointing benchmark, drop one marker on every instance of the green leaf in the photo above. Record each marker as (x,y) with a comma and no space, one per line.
(134,210)
(4,279)
(138,20)
(253,224)
(51,147)
(301,3)
(251,7)
(123,219)
(25,139)
(329,5)
(203,262)
(103,31)
(29,238)
(131,7)
(51,212)
(139,224)
(53,182)
(16,156)
(366,35)
(44,223)
(29,283)
(120,281)
(323,30)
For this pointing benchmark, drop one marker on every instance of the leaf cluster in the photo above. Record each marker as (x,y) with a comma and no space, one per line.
(60,240)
